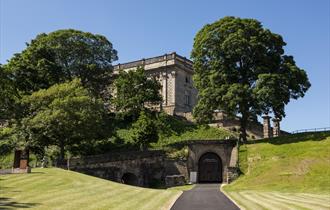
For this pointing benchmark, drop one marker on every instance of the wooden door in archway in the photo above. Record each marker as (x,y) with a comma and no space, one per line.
(209,168)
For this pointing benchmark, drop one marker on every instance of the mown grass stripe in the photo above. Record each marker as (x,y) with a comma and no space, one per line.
(307,203)
(59,189)
(18,183)
(113,202)
(152,203)
(278,205)
(289,204)
(61,194)
(317,198)
(96,199)
(243,202)
(252,198)
(136,203)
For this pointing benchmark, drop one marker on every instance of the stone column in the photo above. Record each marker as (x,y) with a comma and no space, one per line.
(267,128)
(173,80)
(276,127)
(164,81)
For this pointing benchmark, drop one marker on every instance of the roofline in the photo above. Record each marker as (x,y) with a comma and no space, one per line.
(156,59)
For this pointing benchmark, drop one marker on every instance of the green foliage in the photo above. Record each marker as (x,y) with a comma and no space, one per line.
(177,153)
(240,68)
(294,163)
(135,92)
(172,131)
(8,95)
(64,55)
(198,133)
(144,130)
(7,140)
(64,115)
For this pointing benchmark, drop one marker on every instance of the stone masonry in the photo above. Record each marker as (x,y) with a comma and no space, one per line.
(174,73)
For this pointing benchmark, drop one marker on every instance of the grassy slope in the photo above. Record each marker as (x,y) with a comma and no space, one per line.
(285,172)
(59,189)
(177,130)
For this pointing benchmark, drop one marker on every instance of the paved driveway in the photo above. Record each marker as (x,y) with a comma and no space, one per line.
(204,197)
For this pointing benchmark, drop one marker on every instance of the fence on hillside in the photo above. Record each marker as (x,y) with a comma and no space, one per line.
(311,130)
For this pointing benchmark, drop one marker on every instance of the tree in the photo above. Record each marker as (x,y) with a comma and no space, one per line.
(145,130)
(240,68)
(61,56)
(64,115)
(8,95)
(134,91)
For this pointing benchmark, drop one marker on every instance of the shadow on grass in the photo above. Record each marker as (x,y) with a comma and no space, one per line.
(294,138)
(8,203)
(33,172)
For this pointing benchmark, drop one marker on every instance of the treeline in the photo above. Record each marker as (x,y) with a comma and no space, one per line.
(60,96)
(61,91)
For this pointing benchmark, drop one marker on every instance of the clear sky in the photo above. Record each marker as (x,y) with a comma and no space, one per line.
(146,28)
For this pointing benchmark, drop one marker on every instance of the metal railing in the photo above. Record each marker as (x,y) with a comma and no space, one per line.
(311,130)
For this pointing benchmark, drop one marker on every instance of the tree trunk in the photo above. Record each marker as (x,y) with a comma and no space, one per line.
(244,120)
(62,152)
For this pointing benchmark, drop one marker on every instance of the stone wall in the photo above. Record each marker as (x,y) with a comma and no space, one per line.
(147,167)
(176,167)
(225,149)
(221,120)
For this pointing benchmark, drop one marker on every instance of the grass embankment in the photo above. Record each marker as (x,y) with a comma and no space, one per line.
(59,189)
(176,130)
(291,172)
(176,133)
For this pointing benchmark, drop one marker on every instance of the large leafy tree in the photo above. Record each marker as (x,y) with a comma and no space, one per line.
(8,95)
(61,56)
(145,130)
(134,91)
(64,115)
(240,68)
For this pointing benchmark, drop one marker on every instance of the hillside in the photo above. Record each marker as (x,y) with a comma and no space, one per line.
(59,189)
(175,130)
(285,171)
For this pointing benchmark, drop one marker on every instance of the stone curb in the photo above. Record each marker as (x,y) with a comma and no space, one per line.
(172,201)
(228,196)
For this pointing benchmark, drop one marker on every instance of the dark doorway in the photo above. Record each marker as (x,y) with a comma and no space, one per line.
(129,178)
(209,168)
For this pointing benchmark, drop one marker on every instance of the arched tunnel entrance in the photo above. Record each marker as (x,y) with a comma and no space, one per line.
(209,168)
(129,178)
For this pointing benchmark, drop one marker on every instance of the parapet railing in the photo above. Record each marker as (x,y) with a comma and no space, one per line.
(311,130)
(154,60)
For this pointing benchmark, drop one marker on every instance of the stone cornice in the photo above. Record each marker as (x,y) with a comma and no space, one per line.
(158,62)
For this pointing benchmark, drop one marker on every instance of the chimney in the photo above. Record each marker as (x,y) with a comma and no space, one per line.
(276,127)
(267,128)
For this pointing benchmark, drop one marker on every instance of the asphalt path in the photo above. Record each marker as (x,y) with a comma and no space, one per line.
(204,197)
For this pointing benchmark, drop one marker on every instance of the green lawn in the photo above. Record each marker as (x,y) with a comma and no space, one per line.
(60,189)
(259,200)
(291,172)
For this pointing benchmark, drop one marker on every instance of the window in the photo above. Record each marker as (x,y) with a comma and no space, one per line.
(187,79)
(187,99)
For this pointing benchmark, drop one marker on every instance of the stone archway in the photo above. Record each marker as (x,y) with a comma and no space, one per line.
(209,168)
(129,178)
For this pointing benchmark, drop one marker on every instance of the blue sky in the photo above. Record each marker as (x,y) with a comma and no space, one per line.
(146,28)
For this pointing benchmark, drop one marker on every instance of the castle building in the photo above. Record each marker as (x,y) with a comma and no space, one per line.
(174,73)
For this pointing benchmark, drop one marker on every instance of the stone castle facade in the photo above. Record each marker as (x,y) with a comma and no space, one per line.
(174,73)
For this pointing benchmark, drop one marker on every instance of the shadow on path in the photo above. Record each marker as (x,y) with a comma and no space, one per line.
(204,197)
